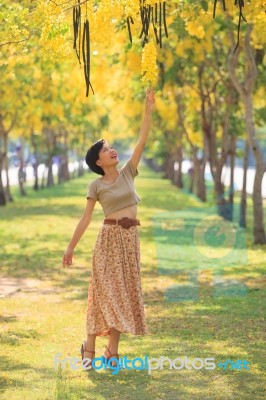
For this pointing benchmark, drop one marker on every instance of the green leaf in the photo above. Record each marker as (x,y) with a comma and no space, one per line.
(204,5)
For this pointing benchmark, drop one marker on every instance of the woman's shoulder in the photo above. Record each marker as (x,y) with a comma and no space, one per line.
(129,168)
(93,182)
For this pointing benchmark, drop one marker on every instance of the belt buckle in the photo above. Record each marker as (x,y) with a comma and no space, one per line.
(126,224)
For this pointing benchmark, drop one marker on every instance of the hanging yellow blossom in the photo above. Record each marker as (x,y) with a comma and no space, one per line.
(149,68)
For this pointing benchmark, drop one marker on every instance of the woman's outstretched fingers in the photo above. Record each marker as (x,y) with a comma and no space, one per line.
(149,91)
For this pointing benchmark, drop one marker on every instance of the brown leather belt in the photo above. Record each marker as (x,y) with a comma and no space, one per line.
(124,222)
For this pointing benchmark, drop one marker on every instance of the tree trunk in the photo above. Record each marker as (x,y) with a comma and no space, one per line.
(191,173)
(60,170)
(245,88)
(50,145)
(178,172)
(169,170)
(5,165)
(50,177)
(216,166)
(80,168)
(217,163)
(199,172)
(232,174)
(243,202)
(43,178)
(201,186)
(21,171)
(21,179)
(5,194)
(35,162)
(63,169)
(258,230)
(209,121)
(198,169)
(36,177)
(66,175)
(2,190)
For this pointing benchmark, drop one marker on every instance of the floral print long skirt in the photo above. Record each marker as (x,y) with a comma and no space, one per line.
(115,298)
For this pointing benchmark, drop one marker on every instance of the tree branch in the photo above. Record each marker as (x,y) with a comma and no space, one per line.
(232,64)
(15,42)
(77,4)
(251,63)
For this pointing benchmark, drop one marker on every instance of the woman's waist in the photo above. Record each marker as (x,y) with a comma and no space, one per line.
(125,222)
(126,212)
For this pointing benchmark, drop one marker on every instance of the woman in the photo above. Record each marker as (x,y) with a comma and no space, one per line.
(115,303)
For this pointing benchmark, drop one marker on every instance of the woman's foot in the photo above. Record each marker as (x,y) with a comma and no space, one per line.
(87,353)
(109,353)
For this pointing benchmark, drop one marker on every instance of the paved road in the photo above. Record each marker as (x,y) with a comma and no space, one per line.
(238,177)
(13,175)
(13,172)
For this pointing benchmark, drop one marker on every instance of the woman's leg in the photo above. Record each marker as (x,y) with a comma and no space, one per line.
(91,342)
(90,346)
(113,341)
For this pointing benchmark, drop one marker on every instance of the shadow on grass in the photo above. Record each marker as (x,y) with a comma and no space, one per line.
(9,319)
(25,212)
(8,364)
(6,383)
(13,337)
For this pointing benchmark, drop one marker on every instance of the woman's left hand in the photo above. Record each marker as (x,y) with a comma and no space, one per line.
(150,100)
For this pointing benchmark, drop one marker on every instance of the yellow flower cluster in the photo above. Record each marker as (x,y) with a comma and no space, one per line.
(131,8)
(102,21)
(152,2)
(107,18)
(195,29)
(54,30)
(53,42)
(149,68)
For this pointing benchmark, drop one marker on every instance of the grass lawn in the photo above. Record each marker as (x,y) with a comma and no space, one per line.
(189,311)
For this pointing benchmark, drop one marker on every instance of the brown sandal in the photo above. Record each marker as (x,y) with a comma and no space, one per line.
(84,349)
(110,355)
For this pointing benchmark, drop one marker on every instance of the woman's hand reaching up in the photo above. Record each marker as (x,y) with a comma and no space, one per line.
(150,100)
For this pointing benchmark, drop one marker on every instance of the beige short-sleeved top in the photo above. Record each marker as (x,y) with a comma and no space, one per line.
(116,195)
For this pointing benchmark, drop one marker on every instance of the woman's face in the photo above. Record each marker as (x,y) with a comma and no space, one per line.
(108,156)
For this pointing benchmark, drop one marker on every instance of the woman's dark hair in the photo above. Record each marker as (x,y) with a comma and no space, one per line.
(93,155)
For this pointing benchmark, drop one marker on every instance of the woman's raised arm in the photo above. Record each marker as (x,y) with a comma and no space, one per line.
(144,130)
